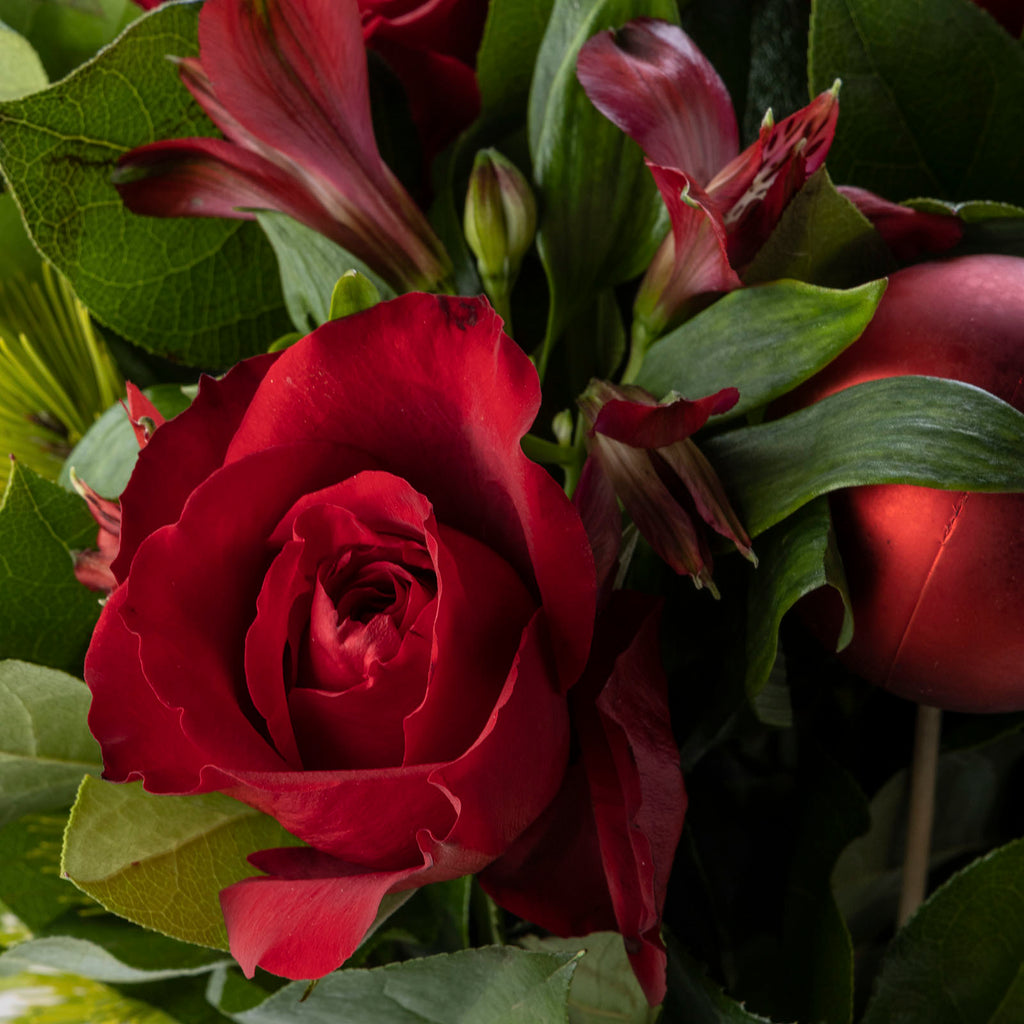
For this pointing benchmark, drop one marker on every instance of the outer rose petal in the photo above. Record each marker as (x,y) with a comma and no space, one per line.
(636,786)
(604,852)
(451,427)
(170,468)
(307,921)
(652,81)
(451,27)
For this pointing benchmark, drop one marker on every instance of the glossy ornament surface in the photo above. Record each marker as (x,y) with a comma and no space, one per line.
(937,577)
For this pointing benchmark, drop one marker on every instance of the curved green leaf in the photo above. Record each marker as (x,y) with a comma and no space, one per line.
(763,340)
(21,70)
(961,957)
(494,985)
(203,290)
(161,861)
(45,744)
(900,430)
(602,217)
(508,50)
(795,557)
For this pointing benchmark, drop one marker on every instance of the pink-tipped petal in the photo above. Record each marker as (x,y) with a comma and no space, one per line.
(598,507)
(652,81)
(642,423)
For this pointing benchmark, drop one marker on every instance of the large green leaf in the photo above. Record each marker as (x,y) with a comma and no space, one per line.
(67,32)
(961,957)
(932,97)
(796,556)
(66,999)
(45,744)
(46,615)
(89,959)
(203,290)
(604,987)
(601,215)
(908,430)
(821,238)
(21,70)
(815,977)
(763,341)
(494,985)
(508,50)
(161,861)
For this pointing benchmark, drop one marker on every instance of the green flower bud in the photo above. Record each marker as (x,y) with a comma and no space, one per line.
(500,220)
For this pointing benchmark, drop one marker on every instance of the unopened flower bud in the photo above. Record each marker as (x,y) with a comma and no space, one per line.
(500,219)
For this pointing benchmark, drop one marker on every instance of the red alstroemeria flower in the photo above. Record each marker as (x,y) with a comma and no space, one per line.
(652,82)
(644,450)
(286,82)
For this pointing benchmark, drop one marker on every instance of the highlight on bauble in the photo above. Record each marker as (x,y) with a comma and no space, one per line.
(936,577)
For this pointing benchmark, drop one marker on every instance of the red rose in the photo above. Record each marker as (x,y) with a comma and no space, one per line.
(345,597)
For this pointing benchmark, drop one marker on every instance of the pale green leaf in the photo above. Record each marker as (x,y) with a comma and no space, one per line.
(493,985)
(45,744)
(21,70)
(161,861)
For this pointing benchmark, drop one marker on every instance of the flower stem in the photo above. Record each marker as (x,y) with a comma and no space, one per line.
(921,813)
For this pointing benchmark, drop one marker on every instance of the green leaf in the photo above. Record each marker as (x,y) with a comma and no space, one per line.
(815,976)
(932,96)
(17,254)
(67,32)
(821,238)
(21,70)
(763,341)
(353,293)
(693,998)
(202,290)
(45,744)
(795,557)
(602,218)
(310,266)
(88,959)
(604,987)
(961,957)
(507,54)
(493,985)
(66,999)
(161,861)
(907,430)
(30,882)
(106,455)
(46,615)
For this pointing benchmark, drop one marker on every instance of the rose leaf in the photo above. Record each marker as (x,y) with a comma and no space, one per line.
(21,71)
(493,985)
(161,861)
(46,615)
(604,987)
(45,744)
(794,330)
(959,958)
(900,430)
(203,290)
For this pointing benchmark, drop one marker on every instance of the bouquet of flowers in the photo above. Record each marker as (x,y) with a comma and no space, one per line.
(488,502)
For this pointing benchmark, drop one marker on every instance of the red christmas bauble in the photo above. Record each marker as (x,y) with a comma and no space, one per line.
(937,577)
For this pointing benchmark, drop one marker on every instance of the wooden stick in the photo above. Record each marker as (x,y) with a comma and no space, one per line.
(921,812)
